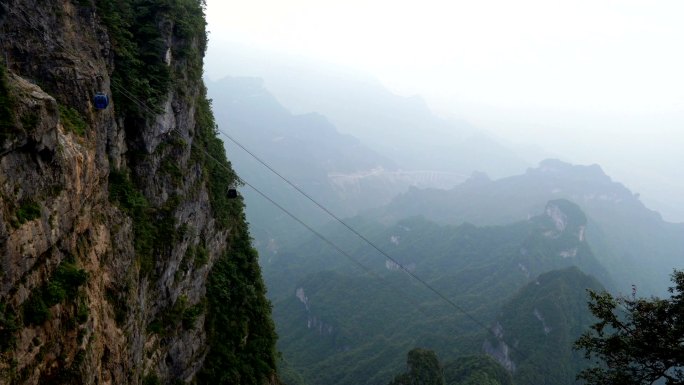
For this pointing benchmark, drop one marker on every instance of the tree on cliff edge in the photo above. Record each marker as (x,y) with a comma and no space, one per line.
(423,369)
(636,340)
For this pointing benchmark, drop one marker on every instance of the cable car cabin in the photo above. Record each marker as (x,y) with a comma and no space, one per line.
(101,101)
(232,193)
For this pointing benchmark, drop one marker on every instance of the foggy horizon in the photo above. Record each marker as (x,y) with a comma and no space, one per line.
(591,82)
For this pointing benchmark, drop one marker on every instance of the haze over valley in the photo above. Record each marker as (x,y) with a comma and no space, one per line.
(468,179)
(459,222)
(587,82)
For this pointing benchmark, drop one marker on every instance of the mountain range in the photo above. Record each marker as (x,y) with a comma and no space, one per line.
(630,240)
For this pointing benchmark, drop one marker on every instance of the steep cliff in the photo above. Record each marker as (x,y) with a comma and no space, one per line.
(123,259)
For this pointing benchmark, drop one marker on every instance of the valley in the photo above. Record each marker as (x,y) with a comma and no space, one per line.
(512,256)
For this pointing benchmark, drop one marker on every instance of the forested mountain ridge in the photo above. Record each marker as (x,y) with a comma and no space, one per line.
(339,324)
(542,321)
(634,243)
(531,341)
(122,259)
(423,367)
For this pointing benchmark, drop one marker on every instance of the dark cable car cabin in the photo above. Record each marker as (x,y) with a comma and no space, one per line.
(101,101)
(232,193)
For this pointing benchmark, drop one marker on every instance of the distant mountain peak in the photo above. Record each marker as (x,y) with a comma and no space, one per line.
(561,168)
(478,177)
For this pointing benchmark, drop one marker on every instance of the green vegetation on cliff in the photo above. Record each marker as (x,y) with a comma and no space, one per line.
(62,286)
(220,176)
(138,46)
(135,29)
(134,203)
(7,124)
(237,315)
(239,326)
(28,211)
(72,120)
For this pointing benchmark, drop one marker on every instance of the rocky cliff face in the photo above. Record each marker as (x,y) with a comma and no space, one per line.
(122,259)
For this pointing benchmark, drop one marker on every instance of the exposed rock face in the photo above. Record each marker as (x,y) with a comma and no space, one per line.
(560,220)
(541,319)
(566,217)
(302,297)
(498,349)
(312,321)
(108,227)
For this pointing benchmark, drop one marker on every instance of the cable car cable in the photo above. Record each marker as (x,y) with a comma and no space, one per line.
(319,235)
(366,240)
(359,235)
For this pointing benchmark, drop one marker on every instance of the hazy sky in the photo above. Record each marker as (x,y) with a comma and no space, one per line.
(599,80)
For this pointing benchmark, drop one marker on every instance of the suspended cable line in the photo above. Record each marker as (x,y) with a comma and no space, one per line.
(125,92)
(359,235)
(318,234)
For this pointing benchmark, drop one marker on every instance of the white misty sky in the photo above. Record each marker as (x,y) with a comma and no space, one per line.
(599,81)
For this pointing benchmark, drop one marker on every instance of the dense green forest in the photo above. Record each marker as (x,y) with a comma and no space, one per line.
(338,323)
